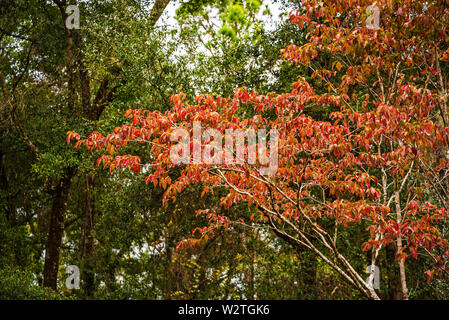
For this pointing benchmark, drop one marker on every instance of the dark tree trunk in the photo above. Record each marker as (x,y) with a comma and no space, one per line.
(394,291)
(157,10)
(59,203)
(9,209)
(87,240)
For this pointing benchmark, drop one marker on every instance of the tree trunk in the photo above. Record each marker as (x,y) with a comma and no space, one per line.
(87,239)
(8,207)
(156,12)
(307,276)
(404,289)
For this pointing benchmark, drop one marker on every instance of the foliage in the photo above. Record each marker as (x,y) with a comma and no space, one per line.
(366,118)
(353,169)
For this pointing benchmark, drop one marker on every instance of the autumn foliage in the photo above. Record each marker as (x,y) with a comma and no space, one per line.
(379,161)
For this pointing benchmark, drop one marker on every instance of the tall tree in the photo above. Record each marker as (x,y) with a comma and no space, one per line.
(369,165)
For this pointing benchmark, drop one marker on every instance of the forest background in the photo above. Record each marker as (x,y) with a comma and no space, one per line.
(58,208)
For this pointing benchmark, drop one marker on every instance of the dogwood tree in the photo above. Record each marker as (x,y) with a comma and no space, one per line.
(379,161)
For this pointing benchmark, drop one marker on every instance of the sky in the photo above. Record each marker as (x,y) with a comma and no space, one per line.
(170,13)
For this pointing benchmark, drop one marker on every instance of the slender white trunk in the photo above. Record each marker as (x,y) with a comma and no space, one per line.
(404,289)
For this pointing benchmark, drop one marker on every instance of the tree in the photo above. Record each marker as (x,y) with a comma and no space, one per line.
(371,164)
(108,218)
(57,74)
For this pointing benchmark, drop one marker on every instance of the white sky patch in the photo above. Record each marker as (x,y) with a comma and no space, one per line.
(168,17)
